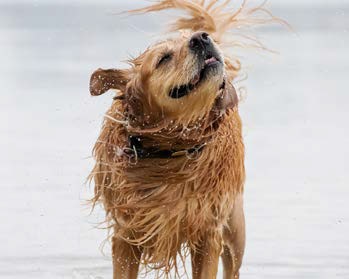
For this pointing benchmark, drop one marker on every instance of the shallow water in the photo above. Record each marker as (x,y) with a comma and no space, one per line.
(295,125)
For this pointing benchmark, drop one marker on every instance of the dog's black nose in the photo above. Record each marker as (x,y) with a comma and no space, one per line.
(199,40)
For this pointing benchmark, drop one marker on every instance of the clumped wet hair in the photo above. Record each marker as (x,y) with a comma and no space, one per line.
(229,25)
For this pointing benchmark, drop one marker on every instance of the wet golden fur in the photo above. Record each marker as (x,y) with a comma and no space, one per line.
(195,196)
(162,208)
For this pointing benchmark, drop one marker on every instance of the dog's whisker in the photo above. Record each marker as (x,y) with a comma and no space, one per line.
(119,113)
(123,122)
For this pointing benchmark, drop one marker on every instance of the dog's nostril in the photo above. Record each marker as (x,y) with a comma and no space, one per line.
(205,37)
(195,43)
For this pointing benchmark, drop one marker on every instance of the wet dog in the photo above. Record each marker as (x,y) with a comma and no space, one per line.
(170,157)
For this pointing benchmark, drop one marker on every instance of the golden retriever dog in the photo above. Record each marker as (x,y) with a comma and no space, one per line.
(170,157)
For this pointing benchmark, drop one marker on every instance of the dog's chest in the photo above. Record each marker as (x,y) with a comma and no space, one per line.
(191,192)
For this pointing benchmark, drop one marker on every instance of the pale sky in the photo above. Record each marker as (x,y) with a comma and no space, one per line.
(123,2)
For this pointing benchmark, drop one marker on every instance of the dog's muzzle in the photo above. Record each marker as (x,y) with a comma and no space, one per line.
(209,62)
(201,44)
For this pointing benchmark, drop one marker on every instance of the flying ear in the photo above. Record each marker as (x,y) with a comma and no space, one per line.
(229,99)
(103,80)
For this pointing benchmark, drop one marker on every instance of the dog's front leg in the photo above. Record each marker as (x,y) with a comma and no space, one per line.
(205,256)
(126,259)
(234,241)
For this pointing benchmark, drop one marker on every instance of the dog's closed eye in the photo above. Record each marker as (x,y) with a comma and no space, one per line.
(164,58)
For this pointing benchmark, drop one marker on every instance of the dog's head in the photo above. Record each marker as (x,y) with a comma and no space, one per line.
(179,80)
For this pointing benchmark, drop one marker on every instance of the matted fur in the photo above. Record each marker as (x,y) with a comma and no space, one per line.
(166,212)
(167,205)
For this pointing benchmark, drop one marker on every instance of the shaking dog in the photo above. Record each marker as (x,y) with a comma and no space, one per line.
(170,157)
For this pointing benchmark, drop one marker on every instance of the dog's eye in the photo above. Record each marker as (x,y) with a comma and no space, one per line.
(165,58)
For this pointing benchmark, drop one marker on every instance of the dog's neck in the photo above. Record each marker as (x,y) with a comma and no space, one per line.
(138,150)
(167,139)
(174,141)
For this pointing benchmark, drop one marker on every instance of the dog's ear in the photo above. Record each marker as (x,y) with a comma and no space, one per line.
(229,98)
(103,80)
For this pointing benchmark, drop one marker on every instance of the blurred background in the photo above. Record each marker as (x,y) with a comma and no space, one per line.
(295,115)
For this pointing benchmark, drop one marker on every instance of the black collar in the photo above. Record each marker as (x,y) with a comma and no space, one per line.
(144,153)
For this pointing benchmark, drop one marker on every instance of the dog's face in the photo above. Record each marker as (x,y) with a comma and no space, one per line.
(185,75)
(179,80)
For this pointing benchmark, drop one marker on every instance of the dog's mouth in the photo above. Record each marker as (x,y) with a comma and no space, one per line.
(210,63)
